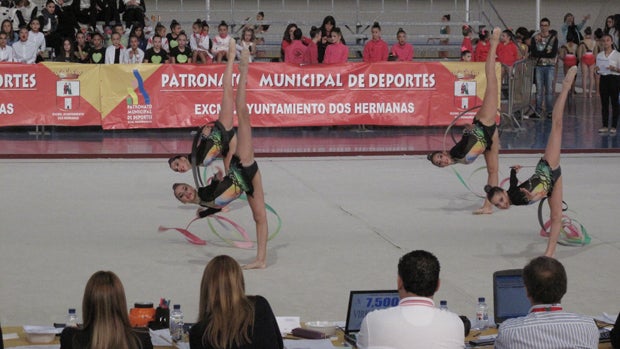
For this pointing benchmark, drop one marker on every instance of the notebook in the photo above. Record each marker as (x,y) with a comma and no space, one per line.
(363,302)
(509,295)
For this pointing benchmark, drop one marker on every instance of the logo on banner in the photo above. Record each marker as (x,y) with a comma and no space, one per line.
(139,107)
(68,91)
(465,91)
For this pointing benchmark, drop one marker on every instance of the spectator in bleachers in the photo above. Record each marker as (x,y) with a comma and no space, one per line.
(38,38)
(138,31)
(24,50)
(134,54)
(507,50)
(67,21)
(161,31)
(260,28)
(156,54)
(49,25)
(98,51)
(181,54)
(133,11)
(337,52)
(482,47)
(220,43)
(120,29)
(82,49)
(329,23)
(376,50)
(25,12)
(200,43)
(114,54)
(402,50)
(444,31)
(312,53)
(586,52)
(296,50)
(287,39)
(466,56)
(66,53)
(248,39)
(466,44)
(11,35)
(175,30)
(6,51)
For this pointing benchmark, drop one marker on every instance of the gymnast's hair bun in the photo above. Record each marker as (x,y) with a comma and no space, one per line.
(487,188)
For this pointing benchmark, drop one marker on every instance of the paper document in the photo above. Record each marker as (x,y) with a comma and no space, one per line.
(287,323)
(308,344)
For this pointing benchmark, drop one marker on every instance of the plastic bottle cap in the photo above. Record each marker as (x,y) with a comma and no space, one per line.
(71,310)
(442,302)
(177,307)
(480,299)
(143,305)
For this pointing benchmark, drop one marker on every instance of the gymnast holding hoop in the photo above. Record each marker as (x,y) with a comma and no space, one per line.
(481,137)
(547,178)
(243,174)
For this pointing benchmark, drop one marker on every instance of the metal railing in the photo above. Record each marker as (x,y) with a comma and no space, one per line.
(519,78)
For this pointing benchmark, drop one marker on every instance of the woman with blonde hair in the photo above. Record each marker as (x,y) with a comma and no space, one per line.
(227,317)
(106,321)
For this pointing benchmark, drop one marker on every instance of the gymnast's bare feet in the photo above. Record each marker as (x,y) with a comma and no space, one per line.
(255,265)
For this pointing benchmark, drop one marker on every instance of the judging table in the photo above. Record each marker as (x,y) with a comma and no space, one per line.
(473,334)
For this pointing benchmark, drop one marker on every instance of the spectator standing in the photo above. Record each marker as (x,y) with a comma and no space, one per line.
(181,54)
(156,54)
(482,47)
(82,49)
(49,25)
(24,50)
(402,50)
(569,26)
(134,54)
(586,52)
(615,334)
(547,325)
(25,12)
(312,53)
(98,51)
(227,317)
(337,52)
(6,51)
(608,67)
(220,43)
(133,11)
(329,23)
(200,43)
(11,35)
(444,32)
(376,50)
(106,321)
(544,49)
(66,53)
(296,50)
(287,39)
(415,322)
(507,50)
(466,45)
(114,54)
(522,35)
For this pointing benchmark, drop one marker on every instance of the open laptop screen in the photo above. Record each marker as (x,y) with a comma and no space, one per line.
(363,302)
(509,295)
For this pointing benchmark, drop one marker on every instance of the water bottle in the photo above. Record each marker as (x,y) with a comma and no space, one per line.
(72,319)
(176,323)
(482,315)
(443,304)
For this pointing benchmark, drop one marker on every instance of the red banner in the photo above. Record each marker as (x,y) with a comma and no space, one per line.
(278,94)
(49,94)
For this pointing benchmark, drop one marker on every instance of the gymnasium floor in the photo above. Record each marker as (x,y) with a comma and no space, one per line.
(77,201)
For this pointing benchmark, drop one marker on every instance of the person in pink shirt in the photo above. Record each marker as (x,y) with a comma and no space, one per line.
(482,48)
(296,51)
(287,39)
(312,53)
(376,50)
(402,51)
(507,50)
(337,52)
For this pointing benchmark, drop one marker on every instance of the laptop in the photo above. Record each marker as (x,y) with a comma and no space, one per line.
(509,295)
(363,302)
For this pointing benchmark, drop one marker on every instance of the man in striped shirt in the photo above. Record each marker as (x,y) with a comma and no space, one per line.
(547,325)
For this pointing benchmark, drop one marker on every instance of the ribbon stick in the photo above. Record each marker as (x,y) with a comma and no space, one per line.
(189,236)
